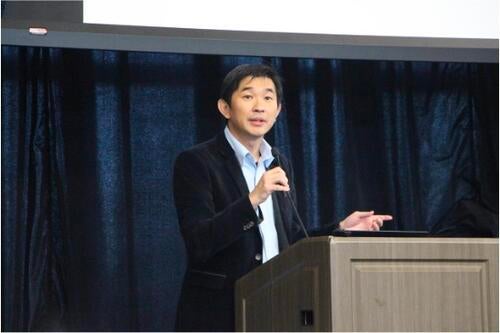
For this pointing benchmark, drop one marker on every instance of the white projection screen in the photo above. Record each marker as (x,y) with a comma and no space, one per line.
(414,30)
(403,18)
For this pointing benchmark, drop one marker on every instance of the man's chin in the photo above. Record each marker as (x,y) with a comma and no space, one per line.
(251,133)
(259,133)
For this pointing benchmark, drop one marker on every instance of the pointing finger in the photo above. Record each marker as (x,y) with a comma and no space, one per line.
(383,217)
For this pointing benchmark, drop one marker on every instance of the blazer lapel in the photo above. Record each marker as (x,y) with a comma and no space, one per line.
(234,169)
(231,164)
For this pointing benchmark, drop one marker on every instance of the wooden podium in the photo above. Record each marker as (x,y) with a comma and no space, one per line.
(374,284)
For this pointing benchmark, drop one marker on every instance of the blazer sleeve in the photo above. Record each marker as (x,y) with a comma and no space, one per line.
(205,231)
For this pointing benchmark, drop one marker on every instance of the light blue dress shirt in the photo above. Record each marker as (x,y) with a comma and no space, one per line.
(252,171)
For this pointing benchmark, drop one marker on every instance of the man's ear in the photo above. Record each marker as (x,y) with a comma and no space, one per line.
(279,110)
(224,108)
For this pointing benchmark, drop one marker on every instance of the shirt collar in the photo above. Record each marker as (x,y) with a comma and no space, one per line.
(243,153)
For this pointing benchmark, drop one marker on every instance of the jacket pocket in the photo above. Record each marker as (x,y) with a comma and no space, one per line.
(205,279)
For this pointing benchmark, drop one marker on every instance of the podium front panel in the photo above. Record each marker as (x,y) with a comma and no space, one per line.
(374,284)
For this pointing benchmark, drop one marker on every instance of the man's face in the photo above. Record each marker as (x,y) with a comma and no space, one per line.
(253,110)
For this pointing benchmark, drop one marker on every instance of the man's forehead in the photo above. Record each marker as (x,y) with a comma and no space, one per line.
(250,82)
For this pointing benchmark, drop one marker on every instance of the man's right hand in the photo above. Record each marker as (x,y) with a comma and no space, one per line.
(271,181)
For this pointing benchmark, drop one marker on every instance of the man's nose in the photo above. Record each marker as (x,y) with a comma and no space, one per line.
(259,105)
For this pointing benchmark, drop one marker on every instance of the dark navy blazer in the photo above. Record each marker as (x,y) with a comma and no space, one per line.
(220,231)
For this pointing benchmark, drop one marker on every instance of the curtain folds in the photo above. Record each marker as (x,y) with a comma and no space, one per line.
(90,239)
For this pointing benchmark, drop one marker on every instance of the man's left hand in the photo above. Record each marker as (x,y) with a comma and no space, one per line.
(364,221)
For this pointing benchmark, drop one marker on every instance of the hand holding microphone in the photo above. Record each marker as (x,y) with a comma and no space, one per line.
(275,180)
(272,180)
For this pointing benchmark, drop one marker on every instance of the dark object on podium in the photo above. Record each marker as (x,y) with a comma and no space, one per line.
(468,218)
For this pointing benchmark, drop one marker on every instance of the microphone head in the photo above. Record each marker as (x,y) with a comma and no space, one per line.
(275,152)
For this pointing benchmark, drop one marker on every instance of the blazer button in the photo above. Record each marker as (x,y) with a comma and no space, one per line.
(258,257)
(248,225)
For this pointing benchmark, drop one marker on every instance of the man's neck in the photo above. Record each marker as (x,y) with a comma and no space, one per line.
(252,144)
(254,148)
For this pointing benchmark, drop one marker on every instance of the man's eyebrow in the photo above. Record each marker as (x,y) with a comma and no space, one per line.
(251,88)
(247,88)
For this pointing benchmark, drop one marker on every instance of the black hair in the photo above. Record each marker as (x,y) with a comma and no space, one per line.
(233,78)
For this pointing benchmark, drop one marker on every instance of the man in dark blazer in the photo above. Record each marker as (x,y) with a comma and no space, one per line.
(220,187)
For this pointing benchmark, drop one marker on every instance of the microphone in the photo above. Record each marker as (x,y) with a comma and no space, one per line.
(276,155)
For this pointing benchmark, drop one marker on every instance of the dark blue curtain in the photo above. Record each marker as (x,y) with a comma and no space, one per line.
(90,239)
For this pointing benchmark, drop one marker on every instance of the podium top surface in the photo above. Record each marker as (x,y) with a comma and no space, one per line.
(380,233)
(424,240)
